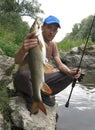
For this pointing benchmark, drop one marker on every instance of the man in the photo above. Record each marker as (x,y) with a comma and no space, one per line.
(57,81)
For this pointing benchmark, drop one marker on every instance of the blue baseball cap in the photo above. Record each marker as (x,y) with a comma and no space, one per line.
(52,19)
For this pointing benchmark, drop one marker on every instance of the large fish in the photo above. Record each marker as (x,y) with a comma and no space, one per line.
(36,61)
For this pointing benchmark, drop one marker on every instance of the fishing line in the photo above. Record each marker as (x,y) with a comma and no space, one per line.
(74,80)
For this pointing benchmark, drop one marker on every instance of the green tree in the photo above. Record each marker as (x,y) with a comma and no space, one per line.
(12,10)
(23,7)
(12,28)
(81,30)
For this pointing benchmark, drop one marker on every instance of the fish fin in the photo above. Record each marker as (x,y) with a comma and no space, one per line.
(48,68)
(42,107)
(46,89)
(34,108)
(37,105)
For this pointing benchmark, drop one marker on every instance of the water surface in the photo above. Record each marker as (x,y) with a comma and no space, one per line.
(80,115)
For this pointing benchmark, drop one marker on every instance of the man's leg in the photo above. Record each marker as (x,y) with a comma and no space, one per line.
(57,81)
(23,85)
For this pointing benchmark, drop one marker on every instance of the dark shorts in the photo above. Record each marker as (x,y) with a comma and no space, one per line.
(57,81)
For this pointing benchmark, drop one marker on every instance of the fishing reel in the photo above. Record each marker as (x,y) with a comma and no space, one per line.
(81,77)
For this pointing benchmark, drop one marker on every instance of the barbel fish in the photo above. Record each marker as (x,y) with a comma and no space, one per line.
(36,61)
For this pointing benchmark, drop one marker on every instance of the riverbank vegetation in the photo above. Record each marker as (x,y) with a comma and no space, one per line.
(13,29)
(67,45)
(79,35)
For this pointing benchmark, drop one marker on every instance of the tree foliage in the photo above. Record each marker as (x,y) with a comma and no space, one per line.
(12,28)
(23,7)
(81,30)
(12,10)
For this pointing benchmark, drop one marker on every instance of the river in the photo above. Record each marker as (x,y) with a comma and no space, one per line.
(80,115)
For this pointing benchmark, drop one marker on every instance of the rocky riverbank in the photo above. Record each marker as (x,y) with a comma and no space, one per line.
(16,115)
(72,58)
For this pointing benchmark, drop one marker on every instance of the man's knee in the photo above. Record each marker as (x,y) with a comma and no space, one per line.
(24,74)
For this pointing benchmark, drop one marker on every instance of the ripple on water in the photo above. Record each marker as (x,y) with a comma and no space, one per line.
(80,115)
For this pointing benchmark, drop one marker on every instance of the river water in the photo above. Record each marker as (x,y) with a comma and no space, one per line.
(80,115)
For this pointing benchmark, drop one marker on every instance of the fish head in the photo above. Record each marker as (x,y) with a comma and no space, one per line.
(36,26)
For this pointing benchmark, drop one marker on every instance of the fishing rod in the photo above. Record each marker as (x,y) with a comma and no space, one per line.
(74,80)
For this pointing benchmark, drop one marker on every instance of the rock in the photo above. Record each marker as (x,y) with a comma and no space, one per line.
(33,122)
(1,122)
(22,119)
(16,116)
(90,50)
(73,58)
(1,52)
(74,50)
(6,67)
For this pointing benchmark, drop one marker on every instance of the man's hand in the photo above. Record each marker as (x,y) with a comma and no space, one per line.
(76,74)
(30,42)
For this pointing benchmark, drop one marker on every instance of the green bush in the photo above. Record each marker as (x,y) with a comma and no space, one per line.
(67,45)
(9,48)
(12,36)
(4,98)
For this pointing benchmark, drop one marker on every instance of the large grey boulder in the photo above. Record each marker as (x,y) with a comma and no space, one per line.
(72,58)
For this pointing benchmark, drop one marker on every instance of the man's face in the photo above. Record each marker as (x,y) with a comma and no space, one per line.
(49,31)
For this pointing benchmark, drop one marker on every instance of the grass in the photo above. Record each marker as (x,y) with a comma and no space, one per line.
(67,45)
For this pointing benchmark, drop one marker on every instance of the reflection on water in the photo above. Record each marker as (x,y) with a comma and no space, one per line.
(80,115)
(89,80)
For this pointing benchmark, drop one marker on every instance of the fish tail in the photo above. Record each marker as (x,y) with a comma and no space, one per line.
(36,106)
(42,107)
